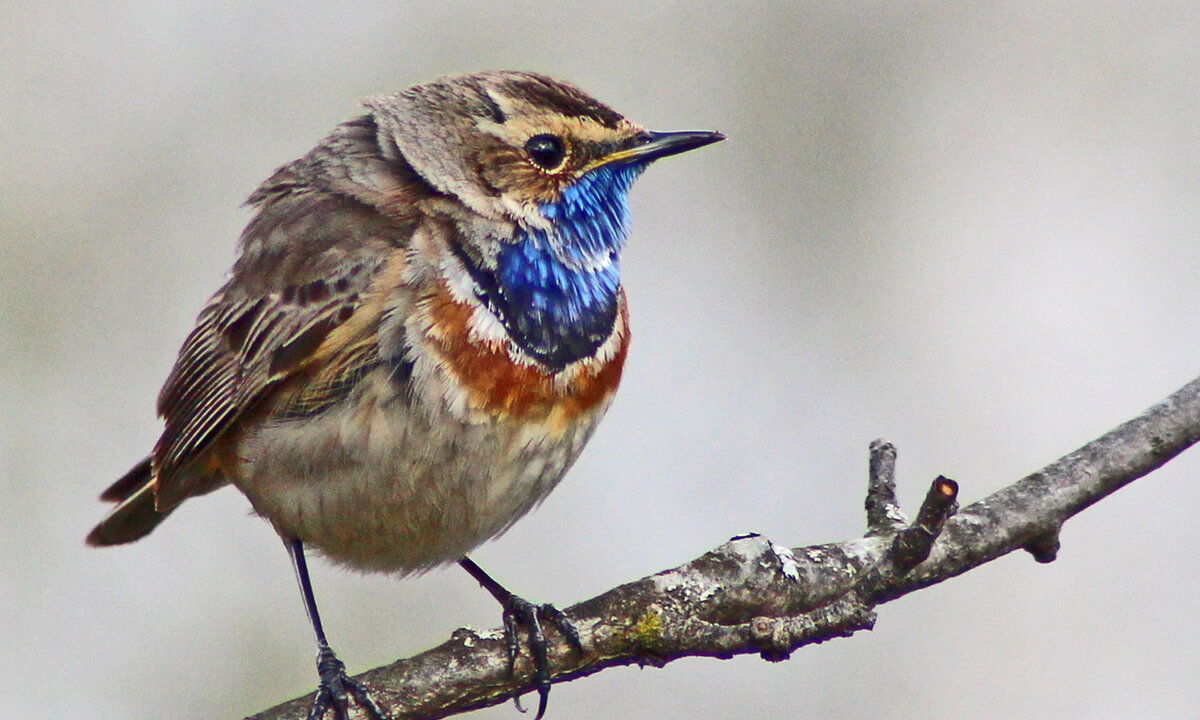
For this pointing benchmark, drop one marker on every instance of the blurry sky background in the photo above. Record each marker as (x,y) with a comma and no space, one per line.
(969,228)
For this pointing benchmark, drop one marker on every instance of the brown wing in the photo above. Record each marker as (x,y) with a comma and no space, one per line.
(306,265)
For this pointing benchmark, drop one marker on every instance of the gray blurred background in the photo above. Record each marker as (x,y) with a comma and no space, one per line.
(969,229)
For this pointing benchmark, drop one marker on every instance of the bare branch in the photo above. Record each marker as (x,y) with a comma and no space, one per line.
(753,596)
(883,511)
(913,544)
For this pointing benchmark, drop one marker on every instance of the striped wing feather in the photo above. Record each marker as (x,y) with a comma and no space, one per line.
(263,326)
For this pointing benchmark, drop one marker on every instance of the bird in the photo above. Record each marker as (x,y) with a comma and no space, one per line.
(423,325)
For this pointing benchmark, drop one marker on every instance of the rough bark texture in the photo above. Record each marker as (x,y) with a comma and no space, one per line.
(753,596)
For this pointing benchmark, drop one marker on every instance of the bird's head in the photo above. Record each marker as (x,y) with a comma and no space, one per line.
(543,171)
(519,145)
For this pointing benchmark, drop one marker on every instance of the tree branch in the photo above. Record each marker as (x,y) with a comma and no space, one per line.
(752,596)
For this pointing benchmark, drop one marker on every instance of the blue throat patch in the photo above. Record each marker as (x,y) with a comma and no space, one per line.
(556,292)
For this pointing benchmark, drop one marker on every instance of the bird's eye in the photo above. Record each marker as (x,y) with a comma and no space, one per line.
(547,151)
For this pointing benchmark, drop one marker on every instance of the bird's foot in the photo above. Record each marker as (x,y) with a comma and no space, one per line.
(518,611)
(337,688)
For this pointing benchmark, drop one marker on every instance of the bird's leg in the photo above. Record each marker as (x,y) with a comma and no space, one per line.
(518,610)
(336,687)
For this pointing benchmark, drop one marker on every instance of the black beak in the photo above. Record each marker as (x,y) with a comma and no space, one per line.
(654,145)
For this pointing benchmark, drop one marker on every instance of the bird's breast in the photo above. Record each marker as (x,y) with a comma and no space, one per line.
(408,473)
(495,380)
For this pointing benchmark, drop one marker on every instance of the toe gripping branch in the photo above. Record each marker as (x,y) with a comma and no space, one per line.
(337,688)
(518,611)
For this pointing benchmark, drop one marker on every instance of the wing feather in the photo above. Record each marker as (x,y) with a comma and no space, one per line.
(266,322)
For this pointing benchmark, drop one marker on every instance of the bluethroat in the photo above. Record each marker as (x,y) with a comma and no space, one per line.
(422,328)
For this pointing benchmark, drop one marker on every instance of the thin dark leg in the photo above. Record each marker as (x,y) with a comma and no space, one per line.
(336,687)
(519,610)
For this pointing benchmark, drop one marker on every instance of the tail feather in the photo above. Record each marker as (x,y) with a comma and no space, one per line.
(129,483)
(136,515)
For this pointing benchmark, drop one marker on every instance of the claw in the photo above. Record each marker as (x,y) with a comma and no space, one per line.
(559,619)
(518,611)
(337,688)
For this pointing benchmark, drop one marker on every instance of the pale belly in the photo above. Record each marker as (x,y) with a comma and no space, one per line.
(384,487)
